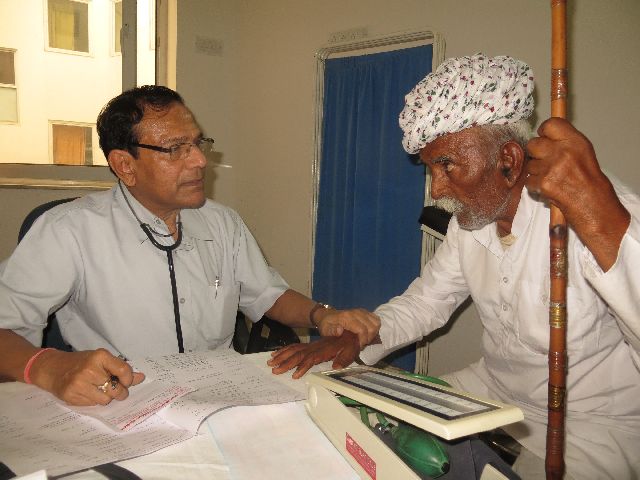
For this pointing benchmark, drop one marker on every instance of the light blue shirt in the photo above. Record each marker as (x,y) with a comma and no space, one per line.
(90,262)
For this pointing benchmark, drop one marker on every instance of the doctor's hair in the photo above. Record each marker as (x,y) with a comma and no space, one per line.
(117,121)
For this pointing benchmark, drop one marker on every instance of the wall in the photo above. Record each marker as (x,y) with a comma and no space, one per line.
(257,98)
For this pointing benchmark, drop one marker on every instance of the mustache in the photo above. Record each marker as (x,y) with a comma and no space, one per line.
(449,204)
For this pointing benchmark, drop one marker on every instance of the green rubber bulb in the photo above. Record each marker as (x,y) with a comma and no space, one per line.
(420,450)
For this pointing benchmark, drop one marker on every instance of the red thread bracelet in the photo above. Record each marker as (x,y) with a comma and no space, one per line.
(27,367)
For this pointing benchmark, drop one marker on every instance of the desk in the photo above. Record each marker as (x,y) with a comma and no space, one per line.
(202,458)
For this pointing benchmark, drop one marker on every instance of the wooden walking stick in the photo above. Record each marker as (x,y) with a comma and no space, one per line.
(556,404)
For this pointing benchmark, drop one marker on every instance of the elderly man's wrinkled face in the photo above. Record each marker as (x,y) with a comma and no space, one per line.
(464,178)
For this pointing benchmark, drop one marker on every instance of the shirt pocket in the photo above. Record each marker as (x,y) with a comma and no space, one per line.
(532,318)
(223,307)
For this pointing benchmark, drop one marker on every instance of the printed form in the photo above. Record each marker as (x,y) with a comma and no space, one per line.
(180,391)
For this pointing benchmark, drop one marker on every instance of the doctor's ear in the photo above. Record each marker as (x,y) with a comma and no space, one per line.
(123,165)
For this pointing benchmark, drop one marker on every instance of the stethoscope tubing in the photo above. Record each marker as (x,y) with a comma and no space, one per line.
(168,249)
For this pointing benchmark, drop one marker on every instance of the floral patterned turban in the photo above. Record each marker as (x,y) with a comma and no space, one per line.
(464,92)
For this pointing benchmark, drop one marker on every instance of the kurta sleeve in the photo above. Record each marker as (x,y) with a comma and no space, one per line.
(619,287)
(426,305)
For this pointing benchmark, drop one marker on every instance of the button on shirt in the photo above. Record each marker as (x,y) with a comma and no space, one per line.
(510,289)
(91,263)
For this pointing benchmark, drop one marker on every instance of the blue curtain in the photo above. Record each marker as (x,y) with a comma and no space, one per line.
(368,239)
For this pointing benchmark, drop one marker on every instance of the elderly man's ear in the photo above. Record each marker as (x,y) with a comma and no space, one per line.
(511,162)
(122,164)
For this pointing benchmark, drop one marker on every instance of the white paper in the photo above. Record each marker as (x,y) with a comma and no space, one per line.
(38,432)
(272,442)
(143,401)
(221,379)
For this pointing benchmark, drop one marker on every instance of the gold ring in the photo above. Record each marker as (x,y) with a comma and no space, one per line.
(112,382)
(104,386)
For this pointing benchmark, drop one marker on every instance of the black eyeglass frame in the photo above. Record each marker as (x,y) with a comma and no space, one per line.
(174,148)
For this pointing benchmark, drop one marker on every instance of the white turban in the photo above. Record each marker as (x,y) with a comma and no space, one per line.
(465,92)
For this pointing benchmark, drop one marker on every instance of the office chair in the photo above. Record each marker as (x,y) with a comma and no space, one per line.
(264,335)
(435,220)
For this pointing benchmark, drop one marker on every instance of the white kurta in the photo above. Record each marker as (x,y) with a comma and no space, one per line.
(510,289)
(91,261)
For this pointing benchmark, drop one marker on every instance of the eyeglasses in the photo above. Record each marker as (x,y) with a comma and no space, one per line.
(181,150)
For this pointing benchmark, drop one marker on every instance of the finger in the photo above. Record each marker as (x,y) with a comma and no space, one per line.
(363,339)
(334,330)
(556,128)
(538,148)
(118,367)
(347,355)
(304,367)
(138,377)
(345,358)
(285,348)
(285,353)
(121,393)
(288,364)
(110,389)
(370,325)
(104,399)
(373,328)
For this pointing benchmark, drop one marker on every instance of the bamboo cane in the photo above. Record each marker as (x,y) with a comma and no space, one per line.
(554,461)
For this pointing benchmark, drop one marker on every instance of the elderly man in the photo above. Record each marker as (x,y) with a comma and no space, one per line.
(149,268)
(467,121)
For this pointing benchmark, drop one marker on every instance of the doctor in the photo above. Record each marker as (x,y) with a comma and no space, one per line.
(150,267)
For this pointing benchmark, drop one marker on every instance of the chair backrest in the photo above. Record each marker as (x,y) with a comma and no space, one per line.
(435,218)
(265,335)
(36,212)
(51,335)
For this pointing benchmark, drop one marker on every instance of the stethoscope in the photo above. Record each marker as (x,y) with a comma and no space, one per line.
(168,249)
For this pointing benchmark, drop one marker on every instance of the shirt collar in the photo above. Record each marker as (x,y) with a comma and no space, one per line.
(524,213)
(137,213)
(488,235)
(193,225)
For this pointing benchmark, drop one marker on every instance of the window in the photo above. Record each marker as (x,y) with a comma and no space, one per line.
(8,92)
(66,73)
(68,22)
(71,144)
(117,25)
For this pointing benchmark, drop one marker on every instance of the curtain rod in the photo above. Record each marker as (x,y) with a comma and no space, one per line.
(383,41)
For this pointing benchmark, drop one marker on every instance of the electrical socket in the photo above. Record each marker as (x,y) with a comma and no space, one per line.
(208,46)
(350,35)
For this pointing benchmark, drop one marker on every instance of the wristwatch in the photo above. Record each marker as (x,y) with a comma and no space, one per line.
(314,309)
